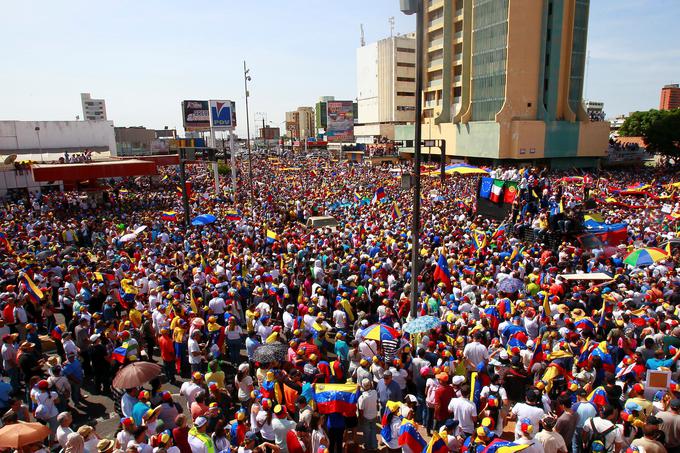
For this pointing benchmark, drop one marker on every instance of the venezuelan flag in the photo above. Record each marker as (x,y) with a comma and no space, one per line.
(396,212)
(499,231)
(598,396)
(336,398)
(234,215)
(192,302)
(165,178)
(504,446)
(441,272)
(409,436)
(357,197)
(31,288)
(169,216)
(272,237)
(101,277)
(120,353)
(436,445)
(205,267)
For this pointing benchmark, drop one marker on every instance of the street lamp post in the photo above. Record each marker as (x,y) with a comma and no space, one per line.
(246,79)
(409,7)
(37,132)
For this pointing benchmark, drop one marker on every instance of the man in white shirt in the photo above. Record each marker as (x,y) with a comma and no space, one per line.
(195,353)
(191,388)
(465,411)
(368,413)
(217,304)
(476,352)
(531,410)
(604,424)
(199,441)
(64,419)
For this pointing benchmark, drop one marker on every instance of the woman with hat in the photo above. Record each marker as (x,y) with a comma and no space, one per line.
(90,438)
(46,406)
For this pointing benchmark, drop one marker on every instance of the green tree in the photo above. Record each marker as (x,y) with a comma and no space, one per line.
(660,130)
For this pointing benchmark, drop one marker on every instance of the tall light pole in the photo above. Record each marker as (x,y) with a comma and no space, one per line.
(37,131)
(246,79)
(409,7)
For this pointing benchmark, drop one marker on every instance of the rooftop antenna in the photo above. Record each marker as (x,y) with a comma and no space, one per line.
(391,21)
(363,40)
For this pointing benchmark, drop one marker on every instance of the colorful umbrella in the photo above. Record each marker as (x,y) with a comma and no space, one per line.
(645,256)
(379,332)
(422,324)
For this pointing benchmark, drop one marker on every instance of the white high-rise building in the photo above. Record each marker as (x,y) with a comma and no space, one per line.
(386,85)
(93,109)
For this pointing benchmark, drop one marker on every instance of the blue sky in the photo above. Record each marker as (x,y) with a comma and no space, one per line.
(145,56)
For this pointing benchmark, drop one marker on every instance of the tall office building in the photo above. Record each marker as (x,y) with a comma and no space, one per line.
(386,87)
(306,122)
(293,124)
(93,109)
(504,80)
(670,97)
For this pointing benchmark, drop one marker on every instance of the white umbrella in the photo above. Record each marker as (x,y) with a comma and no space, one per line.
(140,229)
(128,237)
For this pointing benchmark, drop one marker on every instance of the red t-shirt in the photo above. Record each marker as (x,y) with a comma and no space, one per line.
(443,396)
(167,348)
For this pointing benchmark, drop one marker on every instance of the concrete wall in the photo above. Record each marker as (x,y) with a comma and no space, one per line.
(20,137)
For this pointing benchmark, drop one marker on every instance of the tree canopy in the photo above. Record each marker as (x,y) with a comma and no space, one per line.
(660,130)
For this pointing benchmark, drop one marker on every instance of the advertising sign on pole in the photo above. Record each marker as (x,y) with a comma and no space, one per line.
(222,115)
(196,115)
(340,121)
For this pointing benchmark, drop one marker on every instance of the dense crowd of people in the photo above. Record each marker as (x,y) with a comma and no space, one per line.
(282,337)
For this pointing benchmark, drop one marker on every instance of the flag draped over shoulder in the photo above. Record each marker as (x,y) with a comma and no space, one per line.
(31,288)
(409,436)
(436,445)
(442,272)
(336,398)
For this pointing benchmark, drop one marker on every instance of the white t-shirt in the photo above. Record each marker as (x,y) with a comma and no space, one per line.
(194,347)
(533,413)
(62,434)
(190,390)
(463,410)
(476,353)
(602,425)
(244,388)
(368,402)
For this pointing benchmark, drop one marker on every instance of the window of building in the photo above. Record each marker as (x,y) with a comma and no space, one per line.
(405,108)
(406,50)
(406,65)
(405,93)
(405,79)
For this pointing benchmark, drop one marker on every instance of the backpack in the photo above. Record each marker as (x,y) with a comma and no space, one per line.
(496,394)
(597,437)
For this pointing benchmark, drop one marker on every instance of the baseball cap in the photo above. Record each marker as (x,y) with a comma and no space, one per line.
(200,421)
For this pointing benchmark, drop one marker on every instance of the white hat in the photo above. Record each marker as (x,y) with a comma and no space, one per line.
(200,421)
(243,367)
(94,337)
(458,380)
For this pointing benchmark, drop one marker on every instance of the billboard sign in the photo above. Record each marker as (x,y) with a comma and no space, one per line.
(340,121)
(196,115)
(222,115)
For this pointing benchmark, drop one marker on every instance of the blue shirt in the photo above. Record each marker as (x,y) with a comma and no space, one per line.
(5,390)
(389,392)
(73,369)
(341,349)
(138,411)
(251,346)
(655,364)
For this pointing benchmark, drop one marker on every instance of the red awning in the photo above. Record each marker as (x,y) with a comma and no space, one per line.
(92,170)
